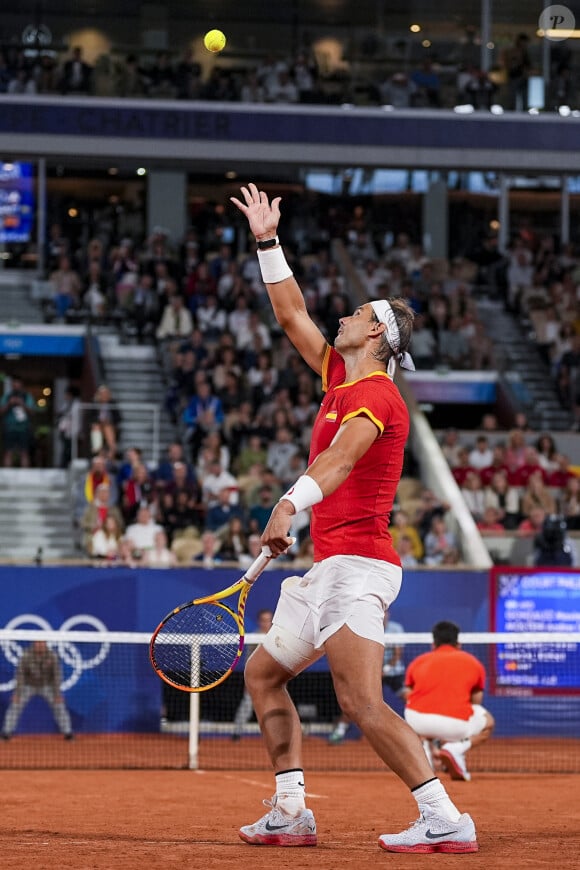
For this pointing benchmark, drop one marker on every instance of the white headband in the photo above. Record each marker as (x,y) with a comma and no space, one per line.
(386,315)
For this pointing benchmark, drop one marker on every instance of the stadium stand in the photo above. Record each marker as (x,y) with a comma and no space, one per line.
(215,410)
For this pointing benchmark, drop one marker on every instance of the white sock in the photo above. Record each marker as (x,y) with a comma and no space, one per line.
(290,791)
(341,728)
(433,800)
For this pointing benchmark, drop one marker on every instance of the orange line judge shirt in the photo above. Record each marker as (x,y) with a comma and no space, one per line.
(442,681)
(354,519)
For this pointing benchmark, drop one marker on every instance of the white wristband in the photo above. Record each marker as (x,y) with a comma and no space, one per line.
(273,266)
(304,493)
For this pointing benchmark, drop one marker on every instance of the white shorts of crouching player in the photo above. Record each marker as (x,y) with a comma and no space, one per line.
(447,739)
(447,728)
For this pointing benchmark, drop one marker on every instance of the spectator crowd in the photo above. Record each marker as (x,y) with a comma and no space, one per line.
(241,402)
(409,75)
(514,485)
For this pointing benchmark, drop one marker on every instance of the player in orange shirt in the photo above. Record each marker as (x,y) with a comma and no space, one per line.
(444,691)
(337,608)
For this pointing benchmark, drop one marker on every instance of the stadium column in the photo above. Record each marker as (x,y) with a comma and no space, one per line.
(486,34)
(154,26)
(503,213)
(435,219)
(167,202)
(565,211)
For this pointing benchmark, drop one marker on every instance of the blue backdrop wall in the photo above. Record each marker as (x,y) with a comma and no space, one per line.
(136,600)
(115,689)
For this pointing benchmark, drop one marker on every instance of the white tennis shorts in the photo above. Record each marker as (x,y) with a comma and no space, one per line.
(340,590)
(447,728)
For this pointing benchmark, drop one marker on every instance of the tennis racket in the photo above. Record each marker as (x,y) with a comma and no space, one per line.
(198,645)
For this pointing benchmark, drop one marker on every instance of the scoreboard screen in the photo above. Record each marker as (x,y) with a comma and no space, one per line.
(536,600)
(16,202)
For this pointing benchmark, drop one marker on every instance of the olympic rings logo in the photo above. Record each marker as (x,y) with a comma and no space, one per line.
(68,652)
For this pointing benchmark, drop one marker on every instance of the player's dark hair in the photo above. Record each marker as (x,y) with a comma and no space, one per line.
(445,633)
(404,315)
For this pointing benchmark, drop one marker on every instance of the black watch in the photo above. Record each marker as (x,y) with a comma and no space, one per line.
(267,243)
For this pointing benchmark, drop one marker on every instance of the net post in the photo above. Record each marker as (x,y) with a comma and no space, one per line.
(194,711)
(194,731)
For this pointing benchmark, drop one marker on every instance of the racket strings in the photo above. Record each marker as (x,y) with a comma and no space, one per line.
(198,645)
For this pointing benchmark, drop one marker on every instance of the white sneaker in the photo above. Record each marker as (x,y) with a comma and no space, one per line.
(278,829)
(454,760)
(337,736)
(433,834)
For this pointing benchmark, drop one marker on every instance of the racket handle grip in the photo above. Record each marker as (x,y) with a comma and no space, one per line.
(260,563)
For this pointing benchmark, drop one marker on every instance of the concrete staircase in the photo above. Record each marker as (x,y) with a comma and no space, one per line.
(35,512)
(522,367)
(16,298)
(134,376)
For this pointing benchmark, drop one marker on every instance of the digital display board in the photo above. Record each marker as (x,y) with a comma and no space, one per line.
(535,600)
(16,202)
(449,387)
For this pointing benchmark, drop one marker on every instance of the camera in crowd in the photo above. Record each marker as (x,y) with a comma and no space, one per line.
(551,546)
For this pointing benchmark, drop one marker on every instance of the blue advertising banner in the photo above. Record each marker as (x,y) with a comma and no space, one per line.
(108,687)
(16,202)
(322,125)
(464,388)
(122,599)
(113,688)
(35,344)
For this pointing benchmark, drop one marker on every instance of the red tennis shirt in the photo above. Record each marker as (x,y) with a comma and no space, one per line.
(354,519)
(442,682)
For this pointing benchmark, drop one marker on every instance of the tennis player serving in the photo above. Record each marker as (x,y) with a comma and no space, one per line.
(338,607)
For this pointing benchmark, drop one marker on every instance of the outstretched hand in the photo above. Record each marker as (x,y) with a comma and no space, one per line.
(263,216)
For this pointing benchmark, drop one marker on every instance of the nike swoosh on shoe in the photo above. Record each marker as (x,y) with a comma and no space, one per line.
(431,836)
(270,827)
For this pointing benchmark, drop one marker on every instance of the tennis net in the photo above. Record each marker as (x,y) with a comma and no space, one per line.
(123,716)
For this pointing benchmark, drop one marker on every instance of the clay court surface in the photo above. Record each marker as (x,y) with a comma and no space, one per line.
(156,751)
(80,820)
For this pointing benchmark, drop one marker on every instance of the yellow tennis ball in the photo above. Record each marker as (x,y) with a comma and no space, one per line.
(214,40)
